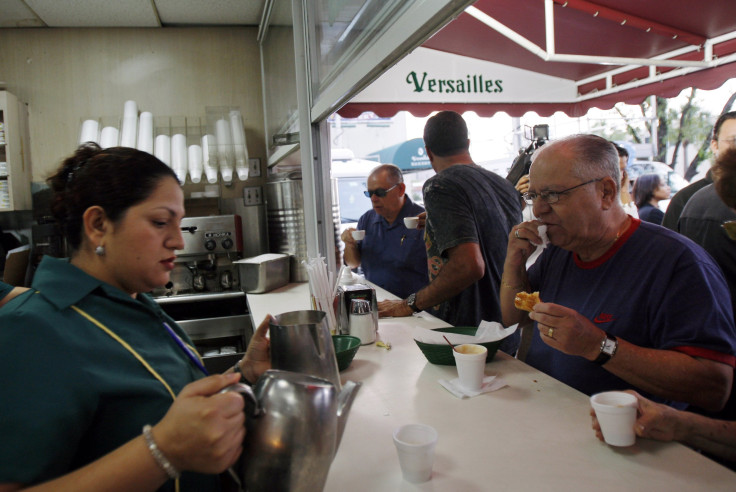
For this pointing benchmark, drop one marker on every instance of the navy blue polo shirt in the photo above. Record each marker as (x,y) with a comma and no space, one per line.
(392,256)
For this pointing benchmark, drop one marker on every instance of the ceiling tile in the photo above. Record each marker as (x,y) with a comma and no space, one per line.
(15,13)
(96,13)
(220,12)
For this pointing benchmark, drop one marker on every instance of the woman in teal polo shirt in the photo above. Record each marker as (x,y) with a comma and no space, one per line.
(89,363)
(8,293)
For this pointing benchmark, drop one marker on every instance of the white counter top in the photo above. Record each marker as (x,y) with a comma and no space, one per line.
(534,434)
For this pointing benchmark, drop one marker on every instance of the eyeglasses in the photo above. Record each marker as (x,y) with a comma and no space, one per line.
(730,227)
(551,197)
(379,192)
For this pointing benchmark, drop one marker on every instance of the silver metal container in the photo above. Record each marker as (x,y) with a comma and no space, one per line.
(286,229)
(263,273)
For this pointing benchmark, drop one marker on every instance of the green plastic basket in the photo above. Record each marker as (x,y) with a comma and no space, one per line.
(345,348)
(442,354)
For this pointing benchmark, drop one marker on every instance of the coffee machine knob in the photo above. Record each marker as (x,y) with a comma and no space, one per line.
(210,244)
(227,243)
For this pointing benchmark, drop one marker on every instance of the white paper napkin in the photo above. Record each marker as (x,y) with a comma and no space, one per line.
(542,230)
(488,331)
(490,383)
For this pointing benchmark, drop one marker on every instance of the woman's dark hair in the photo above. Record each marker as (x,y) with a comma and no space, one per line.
(622,152)
(115,179)
(644,188)
(724,172)
(446,134)
(731,115)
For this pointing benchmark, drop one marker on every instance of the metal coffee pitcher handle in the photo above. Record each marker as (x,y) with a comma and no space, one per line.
(252,407)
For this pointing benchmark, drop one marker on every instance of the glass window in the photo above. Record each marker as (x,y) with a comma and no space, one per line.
(343,28)
(353,203)
(279,73)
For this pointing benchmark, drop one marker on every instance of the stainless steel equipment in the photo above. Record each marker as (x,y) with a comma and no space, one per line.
(204,294)
(294,430)
(286,229)
(301,342)
(263,273)
(346,293)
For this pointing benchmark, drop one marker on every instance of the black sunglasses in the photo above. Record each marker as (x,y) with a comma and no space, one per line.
(379,192)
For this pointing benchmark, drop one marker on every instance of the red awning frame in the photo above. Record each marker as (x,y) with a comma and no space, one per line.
(690,44)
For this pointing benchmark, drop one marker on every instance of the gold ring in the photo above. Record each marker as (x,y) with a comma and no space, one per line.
(550,332)
(516,234)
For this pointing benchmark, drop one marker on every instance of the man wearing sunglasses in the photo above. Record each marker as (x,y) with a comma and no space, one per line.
(392,256)
(470,212)
(624,304)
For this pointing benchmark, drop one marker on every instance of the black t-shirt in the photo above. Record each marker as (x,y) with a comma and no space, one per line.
(469,204)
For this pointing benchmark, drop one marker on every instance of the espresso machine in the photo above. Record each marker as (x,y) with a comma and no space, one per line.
(204,294)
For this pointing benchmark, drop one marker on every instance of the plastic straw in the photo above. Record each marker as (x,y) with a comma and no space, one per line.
(321,288)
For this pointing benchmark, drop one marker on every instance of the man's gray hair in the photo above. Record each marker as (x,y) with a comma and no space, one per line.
(593,156)
(394,173)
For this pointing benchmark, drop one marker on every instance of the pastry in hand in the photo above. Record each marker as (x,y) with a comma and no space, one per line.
(526,301)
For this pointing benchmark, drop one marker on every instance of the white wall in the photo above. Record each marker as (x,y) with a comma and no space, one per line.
(67,75)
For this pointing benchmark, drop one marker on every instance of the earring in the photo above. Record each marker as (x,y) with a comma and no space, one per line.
(100,250)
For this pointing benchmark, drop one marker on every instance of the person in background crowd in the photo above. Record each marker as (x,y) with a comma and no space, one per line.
(677,204)
(649,189)
(704,213)
(626,201)
(392,256)
(656,421)
(618,309)
(8,293)
(470,211)
(119,401)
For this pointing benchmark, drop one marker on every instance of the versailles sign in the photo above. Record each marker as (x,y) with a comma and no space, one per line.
(449,86)
(427,75)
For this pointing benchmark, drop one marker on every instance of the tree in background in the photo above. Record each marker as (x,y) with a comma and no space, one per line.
(705,146)
(676,128)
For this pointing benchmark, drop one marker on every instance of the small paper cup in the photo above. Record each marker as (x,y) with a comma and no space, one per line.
(616,414)
(411,222)
(470,360)
(358,235)
(415,445)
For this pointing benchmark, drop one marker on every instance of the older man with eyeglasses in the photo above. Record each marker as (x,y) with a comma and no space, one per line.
(625,304)
(391,256)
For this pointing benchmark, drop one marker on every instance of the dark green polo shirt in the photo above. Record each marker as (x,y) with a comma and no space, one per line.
(71,393)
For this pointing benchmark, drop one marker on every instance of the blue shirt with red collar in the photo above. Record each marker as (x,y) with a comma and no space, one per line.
(392,256)
(653,288)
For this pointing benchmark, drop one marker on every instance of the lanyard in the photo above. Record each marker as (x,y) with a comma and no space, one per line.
(191,355)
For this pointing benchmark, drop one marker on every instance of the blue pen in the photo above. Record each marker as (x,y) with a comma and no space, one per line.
(192,356)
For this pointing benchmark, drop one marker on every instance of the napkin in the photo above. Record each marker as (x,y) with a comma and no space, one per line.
(542,230)
(488,331)
(490,383)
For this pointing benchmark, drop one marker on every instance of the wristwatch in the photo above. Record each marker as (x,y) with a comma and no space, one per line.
(411,301)
(608,349)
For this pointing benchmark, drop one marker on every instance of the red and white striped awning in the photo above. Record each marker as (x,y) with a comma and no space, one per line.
(545,56)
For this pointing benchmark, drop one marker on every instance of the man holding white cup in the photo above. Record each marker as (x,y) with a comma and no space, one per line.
(392,256)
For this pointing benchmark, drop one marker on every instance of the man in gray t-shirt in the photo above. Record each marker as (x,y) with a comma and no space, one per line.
(470,213)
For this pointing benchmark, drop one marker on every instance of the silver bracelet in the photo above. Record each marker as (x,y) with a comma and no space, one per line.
(161,460)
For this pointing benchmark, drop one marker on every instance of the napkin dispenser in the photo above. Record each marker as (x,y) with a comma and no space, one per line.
(343,301)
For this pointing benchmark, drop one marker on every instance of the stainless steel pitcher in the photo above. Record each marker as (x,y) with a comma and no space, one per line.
(301,342)
(294,424)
